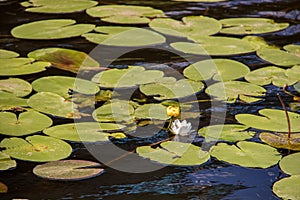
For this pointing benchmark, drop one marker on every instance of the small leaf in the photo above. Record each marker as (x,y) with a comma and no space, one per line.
(6,162)
(151,111)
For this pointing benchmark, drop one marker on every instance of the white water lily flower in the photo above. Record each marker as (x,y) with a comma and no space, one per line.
(181,128)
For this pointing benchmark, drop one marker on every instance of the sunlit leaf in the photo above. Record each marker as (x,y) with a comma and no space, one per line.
(151,111)
(8,54)
(278,57)
(290,164)
(15,86)
(286,188)
(280,140)
(10,101)
(6,162)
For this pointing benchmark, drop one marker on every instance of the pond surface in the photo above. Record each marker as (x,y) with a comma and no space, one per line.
(213,180)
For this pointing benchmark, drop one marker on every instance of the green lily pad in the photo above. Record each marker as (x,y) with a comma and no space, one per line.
(172,89)
(217,69)
(24,124)
(122,78)
(124,36)
(259,41)
(246,154)
(3,188)
(8,54)
(226,132)
(280,140)
(290,164)
(6,162)
(124,14)
(229,91)
(9,101)
(36,148)
(175,153)
(68,170)
(215,46)
(62,85)
(293,48)
(278,57)
(151,111)
(241,26)
(293,73)
(85,131)
(189,26)
(65,59)
(51,29)
(271,120)
(57,6)
(286,188)
(270,75)
(15,86)
(297,86)
(114,111)
(204,1)
(53,104)
(21,66)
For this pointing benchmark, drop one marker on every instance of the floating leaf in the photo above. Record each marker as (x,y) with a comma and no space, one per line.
(53,104)
(241,26)
(51,29)
(23,124)
(286,188)
(65,59)
(175,153)
(278,57)
(215,46)
(280,140)
(226,132)
(231,90)
(3,188)
(246,154)
(124,36)
(204,1)
(8,54)
(271,120)
(297,86)
(189,26)
(68,170)
(217,69)
(293,48)
(10,101)
(259,41)
(114,111)
(84,131)
(290,164)
(63,85)
(57,6)
(21,66)
(132,76)
(293,73)
(15,86)
(124,14)
(36,148)
(6,162)
(270,75)
(151,111)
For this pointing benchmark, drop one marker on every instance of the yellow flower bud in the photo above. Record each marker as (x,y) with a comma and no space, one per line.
(173,111)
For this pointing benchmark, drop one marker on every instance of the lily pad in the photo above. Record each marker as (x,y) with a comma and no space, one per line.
(65,59)
(270,75)
(129,77)
(297,87)
(15,86)
(53,104)
(3,188)
(241,26)
(271,120)
(175,153)
(229,91)
(51,29)
(293,48)
(290,164)
(226,132)
(68,170)
(189,26)
(172,89)
(8,54)
(215,46)
(151,111)
(246,154)
(280,140)
(124,14)
(85,131)
(10,101)
(6,162)
(293,73)
(36,148)
(286,188)
(203,1)
(57,6)
(21,66)
(278,57)
(124,36)
(25,123)
(217,69)
(114,111)
(63,85)
(259,41)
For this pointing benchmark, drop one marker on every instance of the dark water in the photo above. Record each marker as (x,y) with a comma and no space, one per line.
(214,180)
